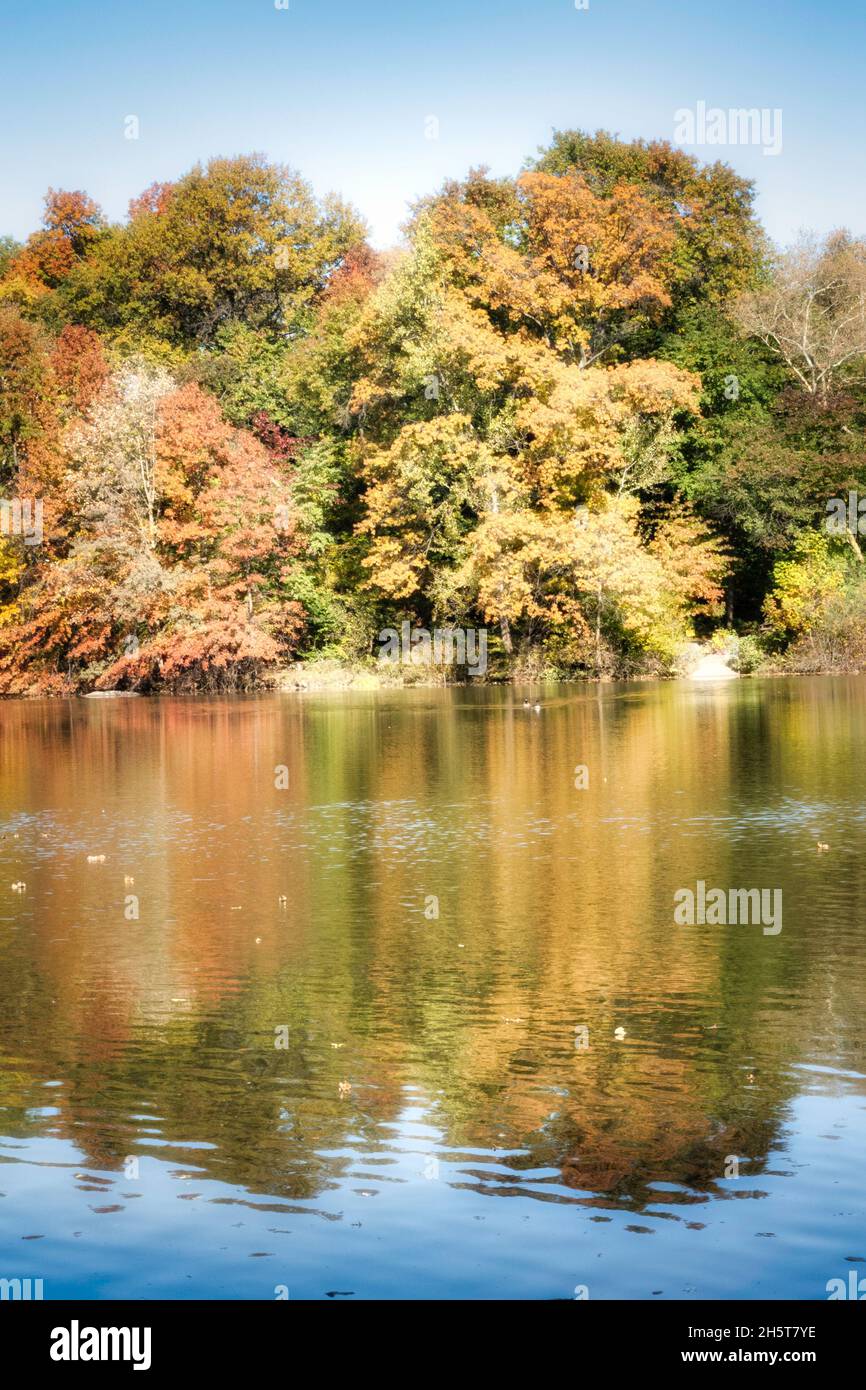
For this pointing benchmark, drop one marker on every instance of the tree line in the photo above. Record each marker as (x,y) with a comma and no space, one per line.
(589,406)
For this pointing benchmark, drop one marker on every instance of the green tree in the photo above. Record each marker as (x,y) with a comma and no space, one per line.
(24,378)
(9,249)
(238,241)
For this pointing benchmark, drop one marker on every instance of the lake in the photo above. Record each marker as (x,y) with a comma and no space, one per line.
(372,995)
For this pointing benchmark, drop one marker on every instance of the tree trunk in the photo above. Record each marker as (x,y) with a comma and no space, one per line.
(598,631)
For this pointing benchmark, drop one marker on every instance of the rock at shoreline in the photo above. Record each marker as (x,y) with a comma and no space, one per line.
(712,667)
(112,695)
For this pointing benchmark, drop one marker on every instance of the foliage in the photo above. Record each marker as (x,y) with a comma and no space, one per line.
(9,248)
(812,310)
(717,238)
(587,405)
(836,640)
(804,584)
(238,241)
(71,227)
(23,384)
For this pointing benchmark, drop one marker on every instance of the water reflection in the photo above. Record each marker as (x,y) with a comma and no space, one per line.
(431,1060)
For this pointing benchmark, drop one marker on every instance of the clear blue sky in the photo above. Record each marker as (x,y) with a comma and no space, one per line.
(341,89)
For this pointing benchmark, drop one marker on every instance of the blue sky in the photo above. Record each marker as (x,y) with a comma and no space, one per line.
(343,89)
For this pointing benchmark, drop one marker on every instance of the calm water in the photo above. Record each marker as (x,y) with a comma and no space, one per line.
(431,1128)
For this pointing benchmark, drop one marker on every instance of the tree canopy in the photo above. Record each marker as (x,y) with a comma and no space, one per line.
(588,405)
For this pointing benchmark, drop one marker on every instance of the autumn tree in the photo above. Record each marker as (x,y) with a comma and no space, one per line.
(237,241)
(580,270)
(484,424)
(180,530)
(588,585)
(812,311)
(79,367)
(806,581)
(718,242)
(113,456)
(584,404)
(154,199)
(71,226)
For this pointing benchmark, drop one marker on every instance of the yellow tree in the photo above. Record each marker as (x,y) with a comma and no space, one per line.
(487,420)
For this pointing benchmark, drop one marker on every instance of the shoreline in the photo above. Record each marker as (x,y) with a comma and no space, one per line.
(346,679)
